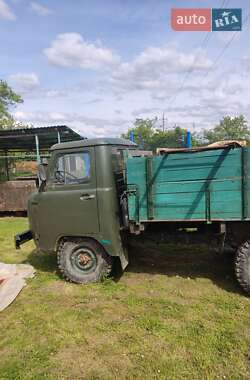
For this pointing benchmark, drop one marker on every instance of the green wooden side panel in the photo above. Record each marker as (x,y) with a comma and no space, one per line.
(189,186)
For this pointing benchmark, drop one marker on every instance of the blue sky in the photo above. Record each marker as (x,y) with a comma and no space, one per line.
(97,65)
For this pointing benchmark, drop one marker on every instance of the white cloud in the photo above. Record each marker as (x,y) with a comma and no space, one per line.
(5,12)
(87,126)
(157,69)
(28,85)
(39,9)
(169,59)
(203,103)
(145,111)
(141,86)
(71,50)
(52,93)
(25,81)
(245,62)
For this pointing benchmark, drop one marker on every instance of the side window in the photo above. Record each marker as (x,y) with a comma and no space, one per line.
(72,168)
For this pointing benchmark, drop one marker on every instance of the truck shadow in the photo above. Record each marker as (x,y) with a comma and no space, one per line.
(184,261)
(44,262)
(170,260)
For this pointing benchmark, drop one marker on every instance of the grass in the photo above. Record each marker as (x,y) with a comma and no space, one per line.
(176,313)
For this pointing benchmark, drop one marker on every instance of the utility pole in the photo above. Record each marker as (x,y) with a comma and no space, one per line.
(163,122)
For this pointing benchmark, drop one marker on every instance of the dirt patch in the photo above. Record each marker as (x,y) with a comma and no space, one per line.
(87,363)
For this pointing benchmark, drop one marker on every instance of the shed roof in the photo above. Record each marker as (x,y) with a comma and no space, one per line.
(24,139)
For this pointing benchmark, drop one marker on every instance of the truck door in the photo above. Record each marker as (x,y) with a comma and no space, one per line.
(68,207)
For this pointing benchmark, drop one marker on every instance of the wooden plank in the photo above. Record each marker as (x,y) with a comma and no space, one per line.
(197,155)
(196,186)
(149,188)
(244,159)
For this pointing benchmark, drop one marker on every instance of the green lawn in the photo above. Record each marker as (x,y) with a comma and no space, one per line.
(176,313)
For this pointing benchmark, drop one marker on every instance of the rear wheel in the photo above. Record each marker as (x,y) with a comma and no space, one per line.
(242,266)
(83,260)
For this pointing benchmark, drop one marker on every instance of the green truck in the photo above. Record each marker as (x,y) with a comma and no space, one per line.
(95,194)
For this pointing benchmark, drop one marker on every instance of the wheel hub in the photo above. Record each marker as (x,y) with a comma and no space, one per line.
(84,259)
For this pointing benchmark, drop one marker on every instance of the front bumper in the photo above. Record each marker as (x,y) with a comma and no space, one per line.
(22,238)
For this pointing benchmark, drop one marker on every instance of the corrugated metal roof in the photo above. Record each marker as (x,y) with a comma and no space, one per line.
(24,139)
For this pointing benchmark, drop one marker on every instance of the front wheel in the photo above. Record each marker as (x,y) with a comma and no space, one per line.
(83,260)
(242,266)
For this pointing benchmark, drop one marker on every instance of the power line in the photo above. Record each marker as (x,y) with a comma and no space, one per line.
(203,44)
(224,3)
(226,46)
(190,70)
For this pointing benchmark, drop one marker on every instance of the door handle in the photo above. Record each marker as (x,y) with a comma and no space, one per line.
(86,197)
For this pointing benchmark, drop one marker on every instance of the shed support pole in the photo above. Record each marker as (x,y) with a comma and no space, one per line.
(58,137)
(7,165)
(37,150)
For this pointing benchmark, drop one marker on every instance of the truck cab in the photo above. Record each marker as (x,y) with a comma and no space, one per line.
(76,210)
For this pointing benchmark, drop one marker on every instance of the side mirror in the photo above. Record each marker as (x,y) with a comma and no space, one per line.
(41,177)
(42,173)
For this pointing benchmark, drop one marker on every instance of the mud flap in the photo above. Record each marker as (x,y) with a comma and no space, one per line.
(124,258)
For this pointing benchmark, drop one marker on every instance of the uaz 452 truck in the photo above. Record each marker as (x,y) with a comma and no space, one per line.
(96,193)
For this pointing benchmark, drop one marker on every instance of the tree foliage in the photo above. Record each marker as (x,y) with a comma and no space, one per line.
(149,138)
(8,99)
(229,128)
(142,132)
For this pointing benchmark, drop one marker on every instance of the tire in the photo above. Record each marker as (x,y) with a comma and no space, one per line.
(83,261)
(242,266)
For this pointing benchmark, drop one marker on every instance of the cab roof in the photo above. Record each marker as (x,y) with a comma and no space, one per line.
(94,142)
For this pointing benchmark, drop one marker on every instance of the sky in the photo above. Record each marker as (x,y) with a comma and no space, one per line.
(97,65)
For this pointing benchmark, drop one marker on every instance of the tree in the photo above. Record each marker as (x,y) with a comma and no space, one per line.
(143,132)
(173,138)
(149,138)
(229,128)
(8,99)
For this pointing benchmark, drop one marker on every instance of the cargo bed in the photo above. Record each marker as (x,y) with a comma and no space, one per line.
(210,185)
